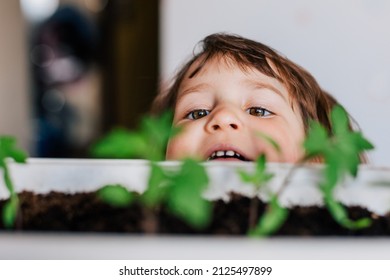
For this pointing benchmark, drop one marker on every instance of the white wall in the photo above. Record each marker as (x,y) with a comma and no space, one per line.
(14,92)
(344,44)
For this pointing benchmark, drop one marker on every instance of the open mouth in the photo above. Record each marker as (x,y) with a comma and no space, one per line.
(227,155)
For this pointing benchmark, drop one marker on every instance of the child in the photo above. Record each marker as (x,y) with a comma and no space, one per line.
(235,91)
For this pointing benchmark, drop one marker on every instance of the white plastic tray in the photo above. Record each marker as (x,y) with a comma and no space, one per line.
(371,188)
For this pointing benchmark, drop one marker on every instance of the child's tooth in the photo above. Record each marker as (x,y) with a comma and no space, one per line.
(220,153)
(230,153)
(238,155)
(213,155)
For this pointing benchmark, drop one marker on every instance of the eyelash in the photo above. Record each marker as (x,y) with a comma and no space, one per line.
(190,115)
(263,113)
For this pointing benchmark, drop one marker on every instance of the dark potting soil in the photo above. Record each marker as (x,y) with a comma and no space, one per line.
(85,212)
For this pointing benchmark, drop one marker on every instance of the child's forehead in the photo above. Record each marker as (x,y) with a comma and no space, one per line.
(204,67)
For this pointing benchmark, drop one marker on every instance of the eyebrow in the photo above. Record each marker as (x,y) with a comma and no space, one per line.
(259,85)
(248,82)
(192,89)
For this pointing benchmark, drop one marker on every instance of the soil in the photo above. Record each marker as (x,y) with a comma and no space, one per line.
(85,212)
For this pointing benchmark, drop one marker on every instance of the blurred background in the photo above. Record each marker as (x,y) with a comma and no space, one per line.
(71,70)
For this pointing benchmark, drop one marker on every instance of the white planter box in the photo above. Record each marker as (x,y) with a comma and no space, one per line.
(371,190)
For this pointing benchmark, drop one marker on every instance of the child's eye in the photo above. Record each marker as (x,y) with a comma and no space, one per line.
(197,114)
(259,112)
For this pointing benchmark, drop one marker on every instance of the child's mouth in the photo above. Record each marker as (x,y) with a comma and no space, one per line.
(228,155)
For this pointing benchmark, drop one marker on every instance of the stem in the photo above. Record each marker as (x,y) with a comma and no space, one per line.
(150,222)
(7,179)
(18,223)
(13,196)
(290,173)
(254,204)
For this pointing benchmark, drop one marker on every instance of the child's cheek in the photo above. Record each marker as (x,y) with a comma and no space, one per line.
(179,147)
(171,150)
(187,143)
(289,142)
(291,149)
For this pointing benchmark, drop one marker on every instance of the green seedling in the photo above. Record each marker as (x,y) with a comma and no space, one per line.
(275,215)
(116,195)
(272,220)
(180,191)
(341,151)
(8,150)
(148,142)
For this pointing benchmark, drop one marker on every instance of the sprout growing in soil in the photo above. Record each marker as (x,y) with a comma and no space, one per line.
(180,191)
(341,152)
(275,215)
(8,150)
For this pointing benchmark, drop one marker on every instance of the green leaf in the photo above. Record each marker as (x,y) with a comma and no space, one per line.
(339,119)
(8,149)
(340,214)
(272,219)
(158,131)
(185,195)
(148,142)
(121,143)
(341,152)
(316,142)
(260,175)
(361,143)
(245,176)
(10,211)
(115,195)
(157,187)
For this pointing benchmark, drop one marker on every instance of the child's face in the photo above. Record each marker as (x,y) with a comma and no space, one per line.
(223,109)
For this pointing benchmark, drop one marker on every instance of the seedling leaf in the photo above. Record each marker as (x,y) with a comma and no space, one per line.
(185,196)
(10,211)
(339,119)
(121,143)
(116,195)
(148,142)
(272,220)
(157,187)
(8,150)
(317,139)
(340,151)
(260,176)
(340,214)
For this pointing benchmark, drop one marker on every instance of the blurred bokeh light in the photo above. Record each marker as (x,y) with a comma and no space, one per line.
(38,10)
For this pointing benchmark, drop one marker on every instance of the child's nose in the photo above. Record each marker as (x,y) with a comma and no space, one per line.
(223,119)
